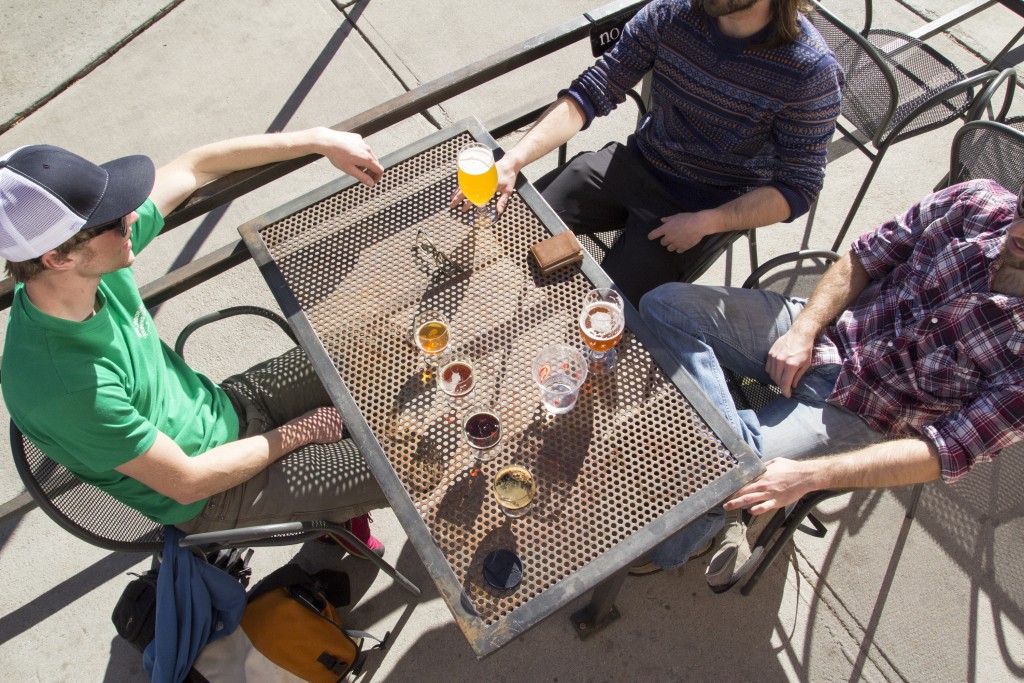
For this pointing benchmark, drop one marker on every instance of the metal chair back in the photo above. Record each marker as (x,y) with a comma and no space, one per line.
(81,509)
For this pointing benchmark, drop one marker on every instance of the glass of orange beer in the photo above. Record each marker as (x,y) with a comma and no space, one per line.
(478,180)
(602,323)
(430,333)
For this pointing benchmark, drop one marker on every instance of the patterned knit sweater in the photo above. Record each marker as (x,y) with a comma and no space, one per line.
(726,114)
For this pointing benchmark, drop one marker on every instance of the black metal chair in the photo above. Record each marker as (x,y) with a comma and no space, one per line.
(991,147)
(96,517)
(806,268)
(896,88)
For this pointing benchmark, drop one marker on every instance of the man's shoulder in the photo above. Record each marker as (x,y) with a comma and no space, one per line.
(810,51)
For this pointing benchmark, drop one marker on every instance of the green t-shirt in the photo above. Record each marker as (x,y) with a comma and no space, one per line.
(92,395)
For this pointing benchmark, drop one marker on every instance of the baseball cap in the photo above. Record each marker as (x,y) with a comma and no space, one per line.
(48,194)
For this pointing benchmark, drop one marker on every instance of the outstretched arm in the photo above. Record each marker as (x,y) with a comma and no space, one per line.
(882,465)
(196,167)
(558,124)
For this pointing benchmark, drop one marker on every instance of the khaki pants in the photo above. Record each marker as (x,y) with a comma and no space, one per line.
(316,482)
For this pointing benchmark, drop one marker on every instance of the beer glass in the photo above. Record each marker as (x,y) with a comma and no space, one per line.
(602,322)
(559,371)
(478,180)
(430,332)
(515,489)
(456,377)
(483,431)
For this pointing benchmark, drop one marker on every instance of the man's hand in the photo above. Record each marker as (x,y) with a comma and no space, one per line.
(506,184)
(350,153)
(320,425)
(684,230)
(783,483)
(788,360)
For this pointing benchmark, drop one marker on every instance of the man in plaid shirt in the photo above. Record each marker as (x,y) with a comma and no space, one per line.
(916,334)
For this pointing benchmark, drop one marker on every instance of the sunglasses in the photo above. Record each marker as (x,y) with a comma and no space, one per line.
(1020,201)
(121,223)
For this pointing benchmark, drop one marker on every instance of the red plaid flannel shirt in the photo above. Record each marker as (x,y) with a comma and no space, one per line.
(928,348)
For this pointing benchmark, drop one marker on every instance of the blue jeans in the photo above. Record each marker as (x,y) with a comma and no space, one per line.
(711,328)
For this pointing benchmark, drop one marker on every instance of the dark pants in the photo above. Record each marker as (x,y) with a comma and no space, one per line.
(612,189)
(316,482)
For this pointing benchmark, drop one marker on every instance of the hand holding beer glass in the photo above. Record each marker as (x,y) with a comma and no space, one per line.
(478,180)
(602,323)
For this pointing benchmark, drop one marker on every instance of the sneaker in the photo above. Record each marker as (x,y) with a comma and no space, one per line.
(360,528)
(741,548)
(645,565)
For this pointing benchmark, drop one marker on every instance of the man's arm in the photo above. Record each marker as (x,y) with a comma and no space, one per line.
(177,180)
(557,125)
(790,355)
(757,208)
(167,469)
(882,465)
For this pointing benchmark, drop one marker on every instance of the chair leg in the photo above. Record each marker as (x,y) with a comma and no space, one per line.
(789,527)
(350,538)
(858,199)
(915,497)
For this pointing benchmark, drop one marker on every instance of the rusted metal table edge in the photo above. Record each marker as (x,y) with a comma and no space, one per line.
(482,638)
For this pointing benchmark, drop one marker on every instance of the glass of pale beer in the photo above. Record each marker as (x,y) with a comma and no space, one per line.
(602,323)
(515,490)
(478,180)
(430,333)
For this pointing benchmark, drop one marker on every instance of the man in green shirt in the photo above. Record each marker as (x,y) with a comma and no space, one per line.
(87,379)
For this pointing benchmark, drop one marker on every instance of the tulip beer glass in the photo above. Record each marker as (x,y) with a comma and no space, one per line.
(430,332)
(478,180)
(602,322)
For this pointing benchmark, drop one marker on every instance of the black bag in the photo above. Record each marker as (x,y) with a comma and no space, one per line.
(134,614)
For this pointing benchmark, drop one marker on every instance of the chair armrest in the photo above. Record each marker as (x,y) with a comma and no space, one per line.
(179,344)
(754,279)
(984,98)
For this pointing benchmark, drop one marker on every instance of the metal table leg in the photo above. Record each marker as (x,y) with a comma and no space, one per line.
(601,610)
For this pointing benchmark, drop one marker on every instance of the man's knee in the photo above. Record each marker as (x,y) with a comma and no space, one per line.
(676,303)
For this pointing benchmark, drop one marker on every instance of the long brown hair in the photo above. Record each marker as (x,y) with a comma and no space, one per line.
(785,28)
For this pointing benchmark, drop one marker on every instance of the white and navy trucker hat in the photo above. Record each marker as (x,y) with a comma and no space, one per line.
(47,194)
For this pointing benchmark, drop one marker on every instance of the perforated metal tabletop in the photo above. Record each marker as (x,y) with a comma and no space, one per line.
(639,456)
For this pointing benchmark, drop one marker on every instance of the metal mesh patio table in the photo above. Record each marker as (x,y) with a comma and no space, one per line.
(640,455)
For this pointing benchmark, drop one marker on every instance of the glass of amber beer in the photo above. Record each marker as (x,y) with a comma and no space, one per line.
(478,180)
(430,333)
(602,322)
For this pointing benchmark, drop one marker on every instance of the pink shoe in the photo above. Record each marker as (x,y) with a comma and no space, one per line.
(360,528)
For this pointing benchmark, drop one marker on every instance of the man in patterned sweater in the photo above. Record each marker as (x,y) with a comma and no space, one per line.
(915,334)
(744,99)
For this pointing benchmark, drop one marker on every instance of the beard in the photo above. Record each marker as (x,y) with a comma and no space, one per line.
(721,8)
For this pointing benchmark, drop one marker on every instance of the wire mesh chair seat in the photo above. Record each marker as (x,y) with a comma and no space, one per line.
(79,508)
(896,87)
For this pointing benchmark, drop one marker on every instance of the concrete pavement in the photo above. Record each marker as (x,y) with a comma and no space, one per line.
(877,599)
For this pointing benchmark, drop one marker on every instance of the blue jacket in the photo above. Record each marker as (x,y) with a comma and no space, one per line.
(196,603)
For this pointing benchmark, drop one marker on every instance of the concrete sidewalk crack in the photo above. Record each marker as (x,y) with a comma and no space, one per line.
(88,68)
(847,620)
(351,15)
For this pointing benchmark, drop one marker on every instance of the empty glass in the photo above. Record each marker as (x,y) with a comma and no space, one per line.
(559,370)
